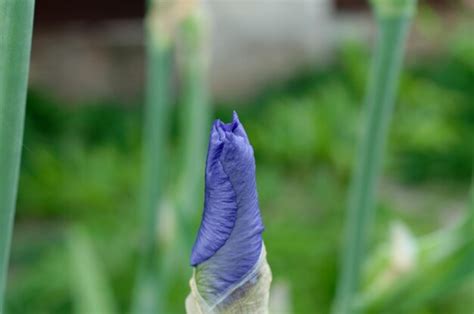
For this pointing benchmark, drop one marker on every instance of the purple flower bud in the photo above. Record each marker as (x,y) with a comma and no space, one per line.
(229,241)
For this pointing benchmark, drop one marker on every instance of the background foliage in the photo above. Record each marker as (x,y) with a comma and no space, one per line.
(81,166)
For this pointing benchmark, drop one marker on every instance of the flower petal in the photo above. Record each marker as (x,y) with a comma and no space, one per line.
(229,241)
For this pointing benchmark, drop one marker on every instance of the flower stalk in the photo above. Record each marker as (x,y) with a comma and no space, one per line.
(393,20)
(166,21)
(194,120)
(195,113)
(16,27)
(159,54)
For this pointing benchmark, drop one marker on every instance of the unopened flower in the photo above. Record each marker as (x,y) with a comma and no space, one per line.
(228,254)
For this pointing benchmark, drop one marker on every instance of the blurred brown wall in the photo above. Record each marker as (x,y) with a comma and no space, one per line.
(54,12)
(363,4)
(86,50)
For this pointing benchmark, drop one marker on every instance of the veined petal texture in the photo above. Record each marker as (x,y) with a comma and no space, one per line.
(229,240)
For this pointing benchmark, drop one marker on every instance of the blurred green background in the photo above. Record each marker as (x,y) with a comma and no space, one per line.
(81,169)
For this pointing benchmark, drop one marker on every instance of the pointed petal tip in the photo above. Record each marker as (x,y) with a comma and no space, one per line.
(218,131)
(235,117)
(225,129)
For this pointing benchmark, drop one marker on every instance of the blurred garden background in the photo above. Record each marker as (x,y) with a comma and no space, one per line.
(296,74)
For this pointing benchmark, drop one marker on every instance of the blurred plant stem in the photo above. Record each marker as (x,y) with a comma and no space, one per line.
(430,280)
(445,261)
(393,21)
(159,51)
(16,27)
(92,294)
(470,212)
(194,126)
(439,265)
(195,118)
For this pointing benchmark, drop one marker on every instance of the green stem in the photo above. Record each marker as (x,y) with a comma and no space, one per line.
(16,26)
(156,117)
(156,121)
(393,23)
(194,127)
(194,122)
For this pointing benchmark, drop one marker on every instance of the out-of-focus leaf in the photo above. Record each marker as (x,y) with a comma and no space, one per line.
(88,279)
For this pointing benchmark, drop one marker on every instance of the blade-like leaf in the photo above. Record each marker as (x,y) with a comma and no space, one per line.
(90,289)
(16,25)
(393,20)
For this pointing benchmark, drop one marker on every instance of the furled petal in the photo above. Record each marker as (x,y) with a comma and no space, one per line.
(229,241)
